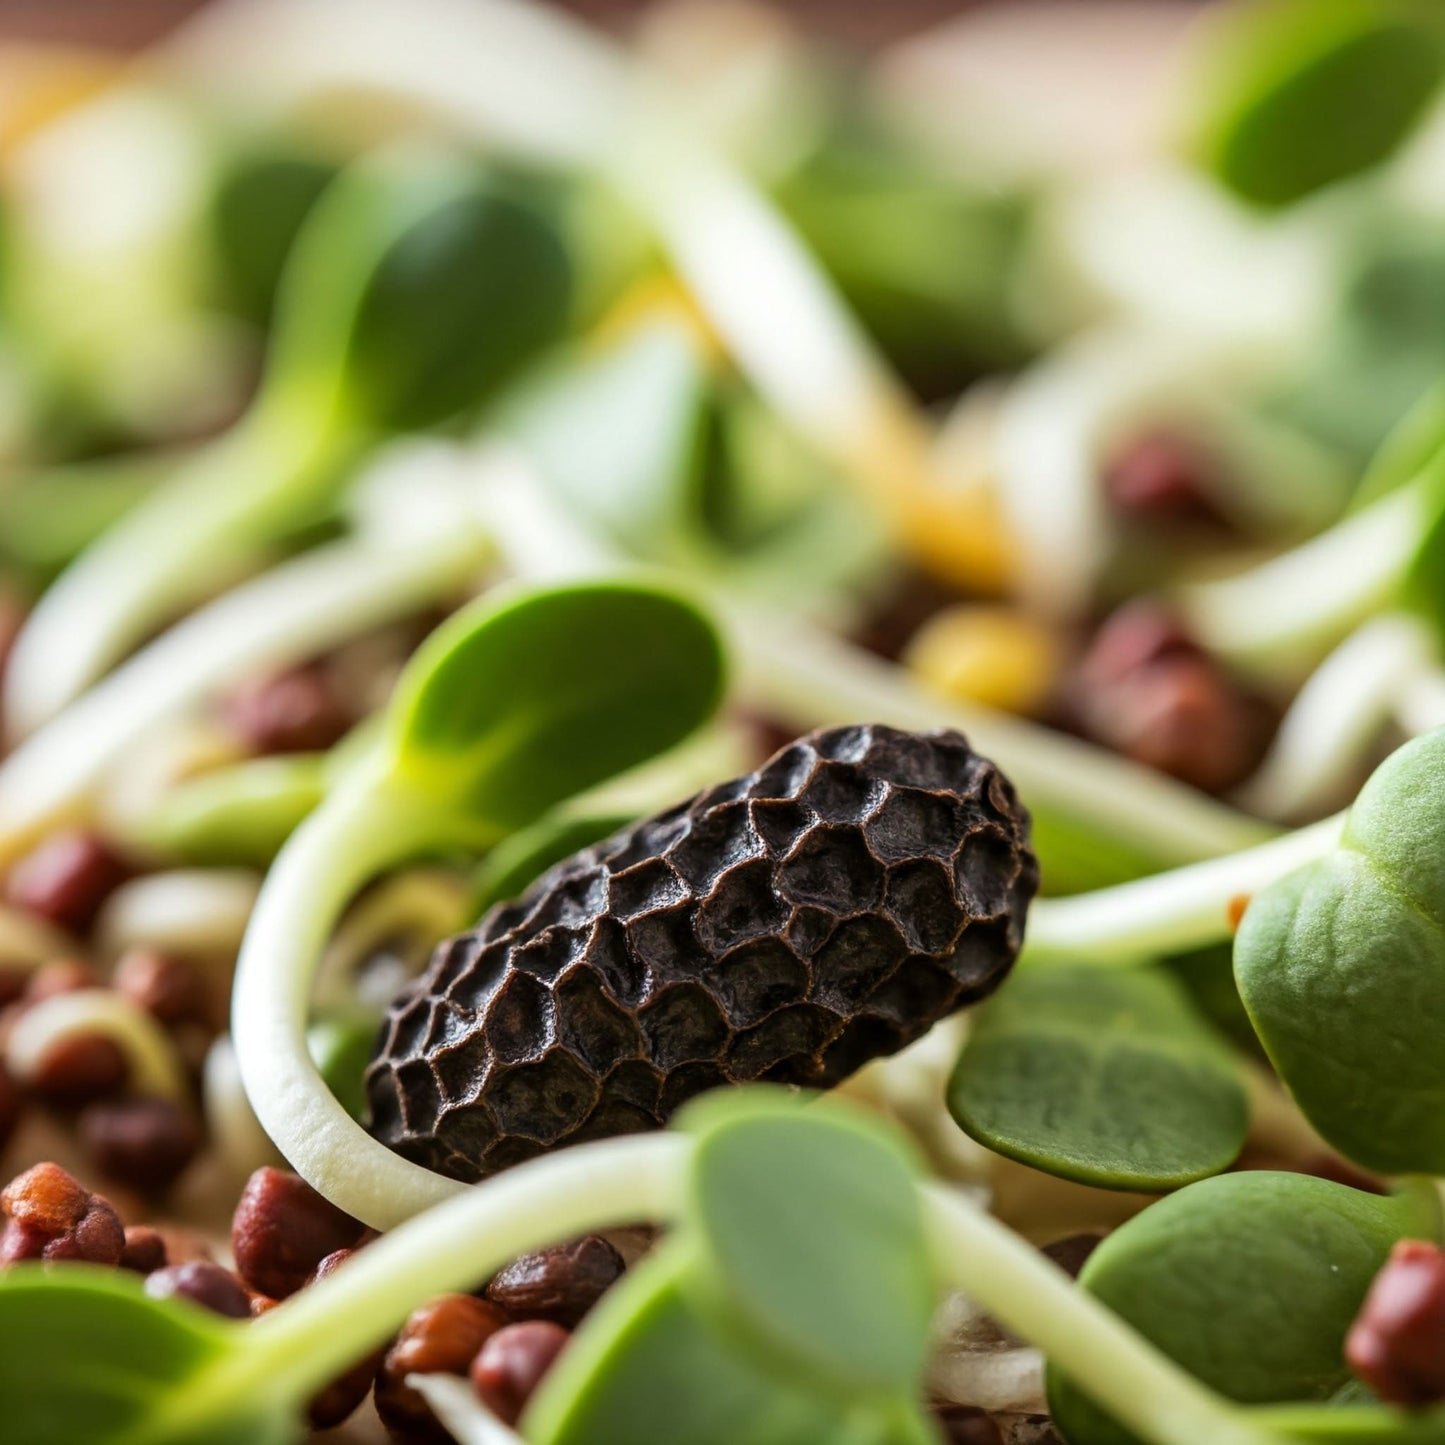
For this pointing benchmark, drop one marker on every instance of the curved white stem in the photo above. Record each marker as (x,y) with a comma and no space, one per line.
(353,836)
(1170,912)
(1335,718)
(1279,617)
(1119,1369)
(167,553)
(155,1067)
(289,613)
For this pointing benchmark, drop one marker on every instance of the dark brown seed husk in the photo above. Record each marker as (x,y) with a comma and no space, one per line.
(789,925)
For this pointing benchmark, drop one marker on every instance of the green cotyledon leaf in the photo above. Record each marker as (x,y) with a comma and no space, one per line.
(648,1368)
(1107,1077)
(1289,96)
(86,1356)
(1342,968)
(1250,1281)
(808,1237)
(514,705)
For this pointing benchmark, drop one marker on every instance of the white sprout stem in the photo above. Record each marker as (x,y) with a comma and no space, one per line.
(293,611)
(353,836)
(458,1407)
(1170,912)
(1054,426)
(456,1246)
(1420,706)
(1336,717)
(198,913)
(1115,1366)
(1281,616)
(154,1066)
(170,551)
(815,679)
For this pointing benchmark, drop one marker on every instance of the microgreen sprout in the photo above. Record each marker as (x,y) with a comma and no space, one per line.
(1280,617)
(392,566)
(510,708)
(1342,968)
(398,271)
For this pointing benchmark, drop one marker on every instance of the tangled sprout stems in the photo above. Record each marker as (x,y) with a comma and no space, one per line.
(282,616)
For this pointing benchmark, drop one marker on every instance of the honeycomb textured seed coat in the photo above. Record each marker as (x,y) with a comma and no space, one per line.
(789,925)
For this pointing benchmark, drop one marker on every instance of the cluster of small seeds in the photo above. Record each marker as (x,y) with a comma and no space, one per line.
(284,1237)
(135,1140)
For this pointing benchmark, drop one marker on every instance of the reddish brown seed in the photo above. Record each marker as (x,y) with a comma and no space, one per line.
(203,1283)
(1237,908)
(559,1284)
(1397,1343)
(283,1229)
(14,980)
(48,1214)
(1137,634)
(169,989)
(66,879)
(1184,718)
(142,1142)
(1072,1252)
(442,1337)
(966,1425)
(79,1068)
(296,711)
(11,1104)
(1159,477)
(145,1249)
(513,1362)
(1146,690)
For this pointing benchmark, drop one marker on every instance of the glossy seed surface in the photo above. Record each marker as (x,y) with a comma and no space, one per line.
(788,925)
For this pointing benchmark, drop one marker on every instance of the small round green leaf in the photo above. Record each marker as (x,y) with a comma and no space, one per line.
(647,1368)
(85,1355)
(809,1231)
(512,706)
(1107,1077)
(1293,95)
(479,284)
(417,285)
(1342,968)
(1250,1281)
